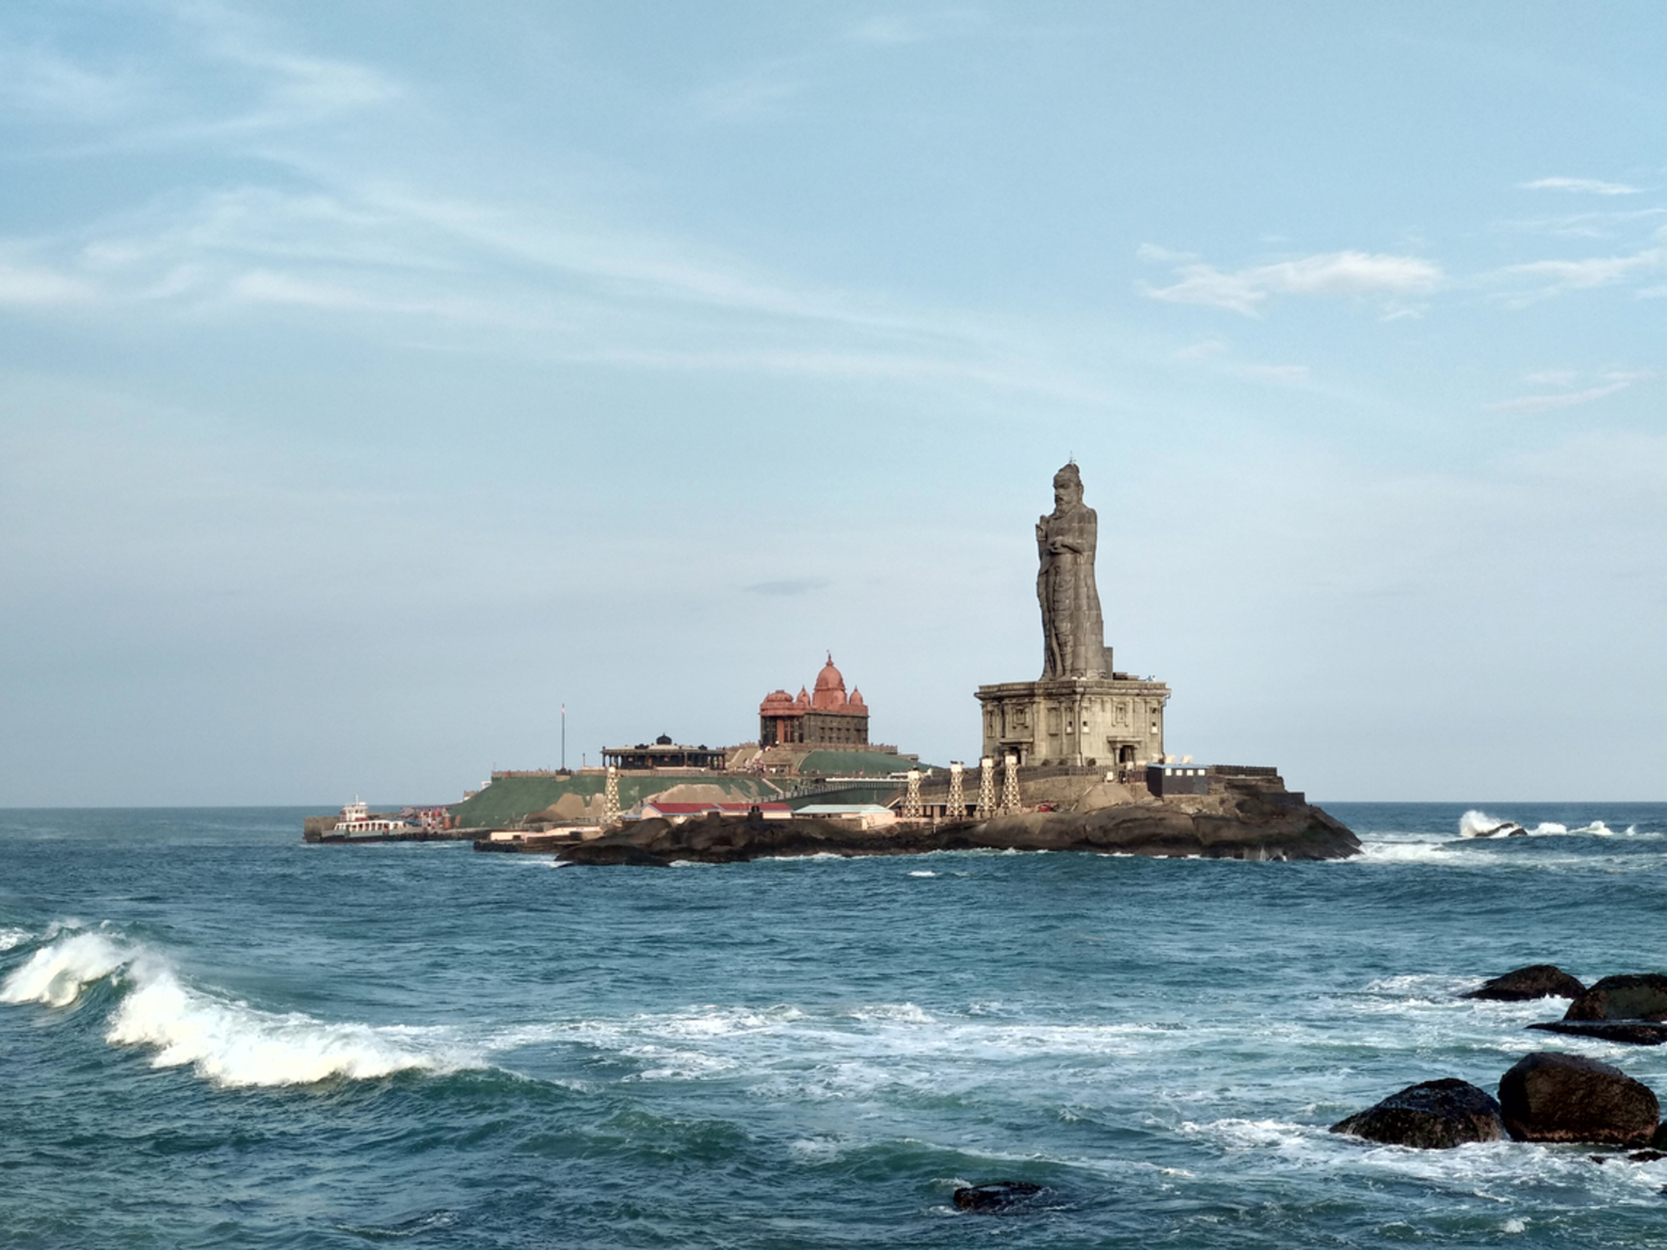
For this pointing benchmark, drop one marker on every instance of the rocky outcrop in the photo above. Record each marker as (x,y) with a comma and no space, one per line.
(1534,981)
(1433,1115)
(1243,826)
(1567,1098)
(998,1196)
(1640,996)
(1634,1032)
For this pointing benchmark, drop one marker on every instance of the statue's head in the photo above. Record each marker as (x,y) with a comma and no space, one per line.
(1067,485)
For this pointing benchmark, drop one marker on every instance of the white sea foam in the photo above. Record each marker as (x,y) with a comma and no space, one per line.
(1416,852)
(227,1042)
(922,873)
(56,974)
(13,937)
(904,1013)
(665,1063)
(1478,824)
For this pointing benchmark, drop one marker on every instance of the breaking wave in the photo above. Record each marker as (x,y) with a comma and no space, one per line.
(225,1041)
(1478,824)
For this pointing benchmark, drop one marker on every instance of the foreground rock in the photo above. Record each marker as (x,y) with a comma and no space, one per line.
(1630,997)
(1567,1098)
(1235,827)
(1534,981)
(997,1196)
(1433,1115)
(1635,1032)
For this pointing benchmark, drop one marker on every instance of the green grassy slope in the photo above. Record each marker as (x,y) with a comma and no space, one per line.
(508,799)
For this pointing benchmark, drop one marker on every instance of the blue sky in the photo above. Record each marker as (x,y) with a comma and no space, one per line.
(377,377)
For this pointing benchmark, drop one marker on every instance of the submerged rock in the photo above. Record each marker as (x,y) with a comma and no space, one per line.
(1568,1098)
(1635,1032)
(1433,1115)
(1534,981)
(1633,996)
(997,1196)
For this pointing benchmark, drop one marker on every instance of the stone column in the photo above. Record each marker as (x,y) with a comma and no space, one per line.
(956,808)
(986,788)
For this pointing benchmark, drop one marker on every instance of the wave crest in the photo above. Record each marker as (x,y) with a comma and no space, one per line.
(56,974)
(227,1042)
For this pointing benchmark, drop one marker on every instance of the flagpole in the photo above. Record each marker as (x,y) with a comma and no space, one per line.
(564,737)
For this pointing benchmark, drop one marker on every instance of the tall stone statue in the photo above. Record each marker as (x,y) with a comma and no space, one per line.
(1073,632)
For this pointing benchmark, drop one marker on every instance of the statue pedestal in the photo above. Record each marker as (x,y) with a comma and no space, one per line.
(1109,721)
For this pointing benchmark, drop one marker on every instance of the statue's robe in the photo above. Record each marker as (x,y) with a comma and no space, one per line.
(1073,630)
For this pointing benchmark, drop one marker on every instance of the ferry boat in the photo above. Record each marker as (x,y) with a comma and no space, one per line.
(356,818)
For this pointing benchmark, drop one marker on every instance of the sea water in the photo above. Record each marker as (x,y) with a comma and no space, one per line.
(212,1034)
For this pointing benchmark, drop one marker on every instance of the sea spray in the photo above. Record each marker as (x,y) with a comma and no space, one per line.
(56,974)
(227,1042)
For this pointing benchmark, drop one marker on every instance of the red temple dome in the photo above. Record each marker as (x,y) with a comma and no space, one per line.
(830,687)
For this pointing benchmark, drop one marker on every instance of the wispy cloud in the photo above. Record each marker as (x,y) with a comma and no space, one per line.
(32,284)
(1529,404)
(1591,224)
(1592,271)
(1328,274)
(1589,186)
(787,586)
(49,85)
(749,96)
(1285,375)
(1152,253)
(894,30)
(1199,351)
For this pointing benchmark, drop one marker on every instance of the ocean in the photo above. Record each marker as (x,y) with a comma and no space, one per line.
(214,1035)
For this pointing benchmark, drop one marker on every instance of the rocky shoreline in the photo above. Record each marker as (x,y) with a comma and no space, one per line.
(1247,825)
(1547,1096)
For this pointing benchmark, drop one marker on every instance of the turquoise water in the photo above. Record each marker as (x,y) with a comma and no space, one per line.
(214,1035)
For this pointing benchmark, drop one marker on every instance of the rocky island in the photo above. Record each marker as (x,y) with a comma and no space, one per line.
(1247,821)
(1081,750)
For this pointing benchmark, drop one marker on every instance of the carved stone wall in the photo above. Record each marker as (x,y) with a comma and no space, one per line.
(1116,720)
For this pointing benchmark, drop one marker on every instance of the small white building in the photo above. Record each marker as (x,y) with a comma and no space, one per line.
(863,815)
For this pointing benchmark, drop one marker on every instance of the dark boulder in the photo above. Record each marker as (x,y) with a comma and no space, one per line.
(1553,1097)
(1434,1115)
(1534,981)
(1635,996)
(1637,1032)
(997,1196)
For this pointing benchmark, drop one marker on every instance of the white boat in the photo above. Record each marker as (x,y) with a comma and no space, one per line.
(356,818)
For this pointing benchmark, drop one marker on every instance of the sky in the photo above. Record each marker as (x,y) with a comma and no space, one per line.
(378,377)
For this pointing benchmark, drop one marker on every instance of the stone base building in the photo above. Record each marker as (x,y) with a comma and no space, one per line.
(827,718)
(1107,721)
